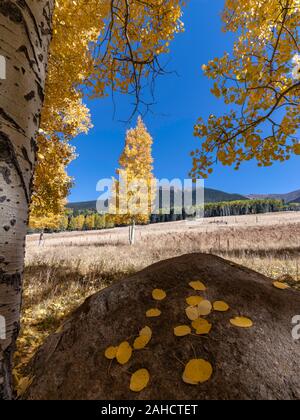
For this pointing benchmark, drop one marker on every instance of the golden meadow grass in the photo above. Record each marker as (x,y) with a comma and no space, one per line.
(60,275)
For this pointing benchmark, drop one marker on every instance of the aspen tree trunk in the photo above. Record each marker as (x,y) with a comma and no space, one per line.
(25,33)
(132,233)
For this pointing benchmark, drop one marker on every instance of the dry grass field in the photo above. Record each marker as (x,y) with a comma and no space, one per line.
(69,267)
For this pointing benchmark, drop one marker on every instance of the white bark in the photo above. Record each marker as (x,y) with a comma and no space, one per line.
(25,32)
(132,233)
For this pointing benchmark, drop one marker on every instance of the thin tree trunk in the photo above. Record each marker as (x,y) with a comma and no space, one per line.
(132,233)
(25,33)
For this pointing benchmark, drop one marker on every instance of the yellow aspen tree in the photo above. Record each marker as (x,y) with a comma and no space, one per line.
(134,197)
(96,45)
(89,222)
(260,81)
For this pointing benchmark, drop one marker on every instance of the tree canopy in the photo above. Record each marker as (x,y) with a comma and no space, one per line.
(260,81)
(98,47)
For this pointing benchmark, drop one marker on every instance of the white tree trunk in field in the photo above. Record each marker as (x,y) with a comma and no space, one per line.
(25,33)
(132,233)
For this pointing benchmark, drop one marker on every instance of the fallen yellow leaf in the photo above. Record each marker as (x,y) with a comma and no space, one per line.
(146,331)
(281,286)
(202,326)
(221,306)
(204,308)
(153,313)
(111,352)
(139,380)
(197,371)
(182,331)
(197,285)
(194,300)
(192,312)
(141,342)
(159,294)
(124,353)
(241,322)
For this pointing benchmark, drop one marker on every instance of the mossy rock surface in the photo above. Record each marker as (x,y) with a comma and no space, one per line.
(262,362)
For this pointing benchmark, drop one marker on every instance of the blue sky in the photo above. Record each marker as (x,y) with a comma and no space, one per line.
(181,98)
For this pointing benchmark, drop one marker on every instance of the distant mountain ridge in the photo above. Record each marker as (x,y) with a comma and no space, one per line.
(211,196)
(292,197)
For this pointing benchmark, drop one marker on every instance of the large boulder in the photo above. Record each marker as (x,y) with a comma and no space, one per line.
(262,362)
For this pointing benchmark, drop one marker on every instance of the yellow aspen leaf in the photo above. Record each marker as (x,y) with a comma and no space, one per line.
(159,294)
(124,353)
(204,329)
(241,322)
(153,313)
(146,331)
(296,148)
(141,342)
(197,285)
(182,331)
(221,306)
(197,371)
(188,380)
(111,352)
(281,286)
(204,308)
(194,300)
(199,322)
(192,313)
(139,380)
(202,326)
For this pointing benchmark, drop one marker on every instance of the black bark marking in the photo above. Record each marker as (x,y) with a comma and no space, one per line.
(23,49)
(11,121)
(2,199)
(34,146)
(30,96)
(26,157)
(6,228)
(8,155)
(5,172)
(13,222)
(40,92)
(24,5)
(14,280)
(10,10)
(36,61)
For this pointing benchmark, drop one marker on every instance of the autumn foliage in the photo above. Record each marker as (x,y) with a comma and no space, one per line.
(134,189)
(260,81)
(97,47)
